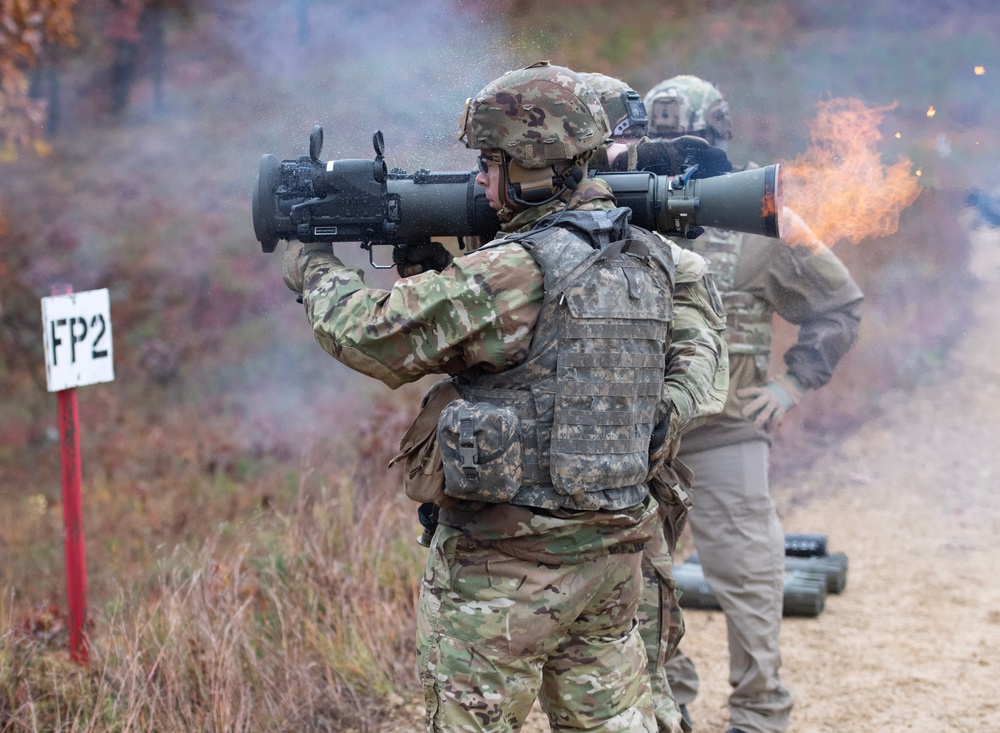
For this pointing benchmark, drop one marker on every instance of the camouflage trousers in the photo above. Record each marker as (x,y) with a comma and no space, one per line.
(661,621)
(495,632)
(661,626)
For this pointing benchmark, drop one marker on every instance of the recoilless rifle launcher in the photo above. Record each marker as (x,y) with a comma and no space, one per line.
(363,201)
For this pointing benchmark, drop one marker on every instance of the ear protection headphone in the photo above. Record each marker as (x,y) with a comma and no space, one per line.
(537,186)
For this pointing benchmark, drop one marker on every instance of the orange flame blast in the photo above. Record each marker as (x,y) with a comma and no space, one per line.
(840,187)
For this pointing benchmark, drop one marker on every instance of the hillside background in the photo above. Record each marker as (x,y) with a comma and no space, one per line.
(244,538)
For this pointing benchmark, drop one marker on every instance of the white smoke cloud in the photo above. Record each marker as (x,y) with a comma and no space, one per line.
(355,67)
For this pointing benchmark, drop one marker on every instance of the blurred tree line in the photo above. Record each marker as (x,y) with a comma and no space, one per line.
(29,30)
(38,37)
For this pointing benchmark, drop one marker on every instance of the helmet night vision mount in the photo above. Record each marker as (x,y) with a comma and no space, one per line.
(362,201)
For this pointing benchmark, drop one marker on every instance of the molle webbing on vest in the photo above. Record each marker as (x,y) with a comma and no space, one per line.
(748,324)
(588,391)
(610,371)
(722,249)
(748,318)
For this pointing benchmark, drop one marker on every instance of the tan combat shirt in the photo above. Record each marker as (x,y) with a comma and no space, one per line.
(813,290)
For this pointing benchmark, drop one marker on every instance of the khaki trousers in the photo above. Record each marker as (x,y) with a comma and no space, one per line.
(741,545)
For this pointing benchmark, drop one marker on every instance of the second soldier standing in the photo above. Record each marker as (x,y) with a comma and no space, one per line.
(661,622)
(735,525)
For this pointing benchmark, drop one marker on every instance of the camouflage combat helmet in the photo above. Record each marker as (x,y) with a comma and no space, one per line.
(623,105)
(538,115)
(687,105)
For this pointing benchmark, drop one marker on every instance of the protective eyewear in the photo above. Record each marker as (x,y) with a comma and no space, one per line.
(483,162)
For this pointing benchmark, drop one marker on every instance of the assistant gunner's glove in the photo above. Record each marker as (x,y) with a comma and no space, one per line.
(293,262)
(413,258)
(673,157)
(767,405)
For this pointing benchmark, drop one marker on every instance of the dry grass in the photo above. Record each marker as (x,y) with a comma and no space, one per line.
(297,613)
(302,627)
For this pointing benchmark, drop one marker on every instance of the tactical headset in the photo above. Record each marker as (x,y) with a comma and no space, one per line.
(532,186)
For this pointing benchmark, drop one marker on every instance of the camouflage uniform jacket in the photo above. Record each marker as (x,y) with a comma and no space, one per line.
(760,276)
(480,312)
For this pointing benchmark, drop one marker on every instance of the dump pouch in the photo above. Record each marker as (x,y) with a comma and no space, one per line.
(423,471)
(481,450)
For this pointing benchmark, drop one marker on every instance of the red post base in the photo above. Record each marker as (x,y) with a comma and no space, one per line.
(72,501)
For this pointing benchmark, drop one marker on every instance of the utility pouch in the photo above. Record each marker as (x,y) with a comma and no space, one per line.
(671,486)
(423,471)
(481,450)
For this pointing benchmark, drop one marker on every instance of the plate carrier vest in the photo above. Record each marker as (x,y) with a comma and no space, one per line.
(748,318)
(589,392)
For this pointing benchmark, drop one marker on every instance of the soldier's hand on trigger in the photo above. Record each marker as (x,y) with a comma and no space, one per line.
(291,273)
(293,261)
(414,258)
(767,405)
(674,157)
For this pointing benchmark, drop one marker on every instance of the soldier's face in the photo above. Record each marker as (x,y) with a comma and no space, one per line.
(489,178)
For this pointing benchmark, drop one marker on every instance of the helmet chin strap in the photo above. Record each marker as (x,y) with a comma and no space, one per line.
(508,209)
(567,181)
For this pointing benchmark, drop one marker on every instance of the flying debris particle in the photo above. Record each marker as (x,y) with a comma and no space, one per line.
(898,136)
(920,171)
(980,70)
(931,111)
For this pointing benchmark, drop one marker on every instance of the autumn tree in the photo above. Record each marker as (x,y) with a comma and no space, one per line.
(27,27)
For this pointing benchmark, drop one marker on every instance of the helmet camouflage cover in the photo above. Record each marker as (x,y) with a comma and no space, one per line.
(538,115)
(624,107)
(688,105)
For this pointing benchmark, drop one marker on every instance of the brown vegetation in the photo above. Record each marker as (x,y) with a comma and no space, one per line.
(252,563)
(297,627)
(27,29)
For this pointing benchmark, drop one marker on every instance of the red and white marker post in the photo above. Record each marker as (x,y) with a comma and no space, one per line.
(77,333)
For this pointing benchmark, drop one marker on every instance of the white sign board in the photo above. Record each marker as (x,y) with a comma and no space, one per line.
(77,330)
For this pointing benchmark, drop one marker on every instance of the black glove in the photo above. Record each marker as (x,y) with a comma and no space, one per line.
(665,440)
(427,514)
(412,258)
(673,157)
